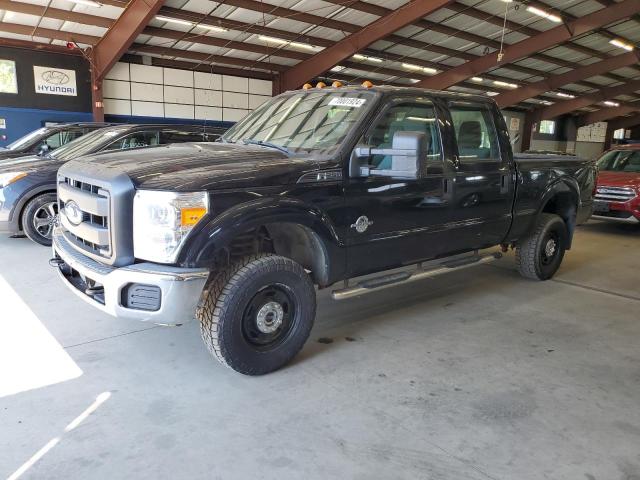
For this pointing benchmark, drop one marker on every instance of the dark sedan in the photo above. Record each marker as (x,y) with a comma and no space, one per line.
(48,139)
(28,184)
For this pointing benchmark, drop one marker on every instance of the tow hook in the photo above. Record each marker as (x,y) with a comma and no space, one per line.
(56,262)
(59,264)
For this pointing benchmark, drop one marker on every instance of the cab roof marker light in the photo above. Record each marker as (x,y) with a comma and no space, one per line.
(541,13)
(616,42)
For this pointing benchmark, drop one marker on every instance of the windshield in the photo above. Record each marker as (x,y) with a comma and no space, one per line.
(28,140)
(89,143)
(620,161)
(305,121)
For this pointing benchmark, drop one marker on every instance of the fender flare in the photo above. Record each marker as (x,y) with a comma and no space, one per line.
(562,185)
(217,233)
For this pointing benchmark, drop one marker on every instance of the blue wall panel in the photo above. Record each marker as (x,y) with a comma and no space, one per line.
(20,121)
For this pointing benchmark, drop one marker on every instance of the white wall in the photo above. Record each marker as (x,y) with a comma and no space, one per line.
(144,90)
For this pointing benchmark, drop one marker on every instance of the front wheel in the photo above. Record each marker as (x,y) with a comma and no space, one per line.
(256,315)
(38,218)
(540,254)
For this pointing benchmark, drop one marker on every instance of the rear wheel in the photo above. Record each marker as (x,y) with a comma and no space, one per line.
(38,218)
(539,256)
(256,315)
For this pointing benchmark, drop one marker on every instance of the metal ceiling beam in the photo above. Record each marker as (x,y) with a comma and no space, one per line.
(557,81)
(198,67)
(606,114)
(39,46)
(568,106)
(122,34)
(206,58)
(452,32)
(625,122)
(525,48)
(344,49)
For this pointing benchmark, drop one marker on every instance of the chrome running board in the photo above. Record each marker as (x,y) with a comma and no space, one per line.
(401,278)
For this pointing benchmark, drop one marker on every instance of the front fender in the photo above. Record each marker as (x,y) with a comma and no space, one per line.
(216,233)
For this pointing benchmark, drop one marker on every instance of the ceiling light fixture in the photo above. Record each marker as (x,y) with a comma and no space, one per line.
(541,13)
(477,79)
(609,103)
(213,28)
(281,41)
(565,95)
(616,42)
(493,94)
(172,20)
(359,56)
(504,84)
(88,3)
(337,68)
(411,66)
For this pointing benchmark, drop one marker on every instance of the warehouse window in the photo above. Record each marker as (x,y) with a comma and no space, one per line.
(548,127)
(619,134)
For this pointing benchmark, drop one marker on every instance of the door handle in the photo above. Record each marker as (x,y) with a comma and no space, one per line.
(504,183)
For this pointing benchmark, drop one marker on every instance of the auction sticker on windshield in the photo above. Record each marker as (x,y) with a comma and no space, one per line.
(347,102)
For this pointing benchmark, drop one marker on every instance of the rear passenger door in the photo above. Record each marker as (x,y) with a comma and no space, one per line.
(483,184)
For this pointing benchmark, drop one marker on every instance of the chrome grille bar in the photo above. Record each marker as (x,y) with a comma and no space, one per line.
(615,194)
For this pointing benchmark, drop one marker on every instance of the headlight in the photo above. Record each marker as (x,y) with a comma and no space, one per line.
(10,177)
(162,221)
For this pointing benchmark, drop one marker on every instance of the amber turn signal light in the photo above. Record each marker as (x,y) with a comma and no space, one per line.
(190,216)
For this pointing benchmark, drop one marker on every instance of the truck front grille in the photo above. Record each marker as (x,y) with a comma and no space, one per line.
(615,194)
(84,211)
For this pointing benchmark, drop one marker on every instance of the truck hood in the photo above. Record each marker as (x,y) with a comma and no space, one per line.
(619,179)
(205,166)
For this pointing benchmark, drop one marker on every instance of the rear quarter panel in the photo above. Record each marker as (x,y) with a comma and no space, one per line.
(539,178)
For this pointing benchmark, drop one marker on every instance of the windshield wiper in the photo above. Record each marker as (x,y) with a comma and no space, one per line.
(262,143)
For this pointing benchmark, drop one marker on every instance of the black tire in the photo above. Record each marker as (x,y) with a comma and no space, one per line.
(240,321)
(539,255)
(38,218)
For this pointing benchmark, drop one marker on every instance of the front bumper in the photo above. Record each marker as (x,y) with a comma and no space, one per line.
(103,286)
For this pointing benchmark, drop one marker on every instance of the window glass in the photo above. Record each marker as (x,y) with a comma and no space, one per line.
(548,127)
(176,136)
(304,121)
(620,161)
(475,132)
(135,140)
(8,77)
(404,118)
(62,138)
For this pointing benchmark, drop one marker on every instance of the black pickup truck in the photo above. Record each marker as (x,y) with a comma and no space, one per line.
(315,187)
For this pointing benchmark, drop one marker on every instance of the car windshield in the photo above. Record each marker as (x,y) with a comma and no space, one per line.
(89,143)
(28,140)
(307,121)
(620,161)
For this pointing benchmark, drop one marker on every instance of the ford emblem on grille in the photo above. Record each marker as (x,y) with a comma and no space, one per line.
(73,212)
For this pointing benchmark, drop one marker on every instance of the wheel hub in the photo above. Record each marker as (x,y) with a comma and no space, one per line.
(550,248)
(269,317)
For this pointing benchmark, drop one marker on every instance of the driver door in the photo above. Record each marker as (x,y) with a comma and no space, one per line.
(394,221)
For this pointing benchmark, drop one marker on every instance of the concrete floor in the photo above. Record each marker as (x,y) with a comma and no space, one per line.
(478,375)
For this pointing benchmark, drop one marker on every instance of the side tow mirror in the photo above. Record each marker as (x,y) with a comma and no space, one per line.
(408,154)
